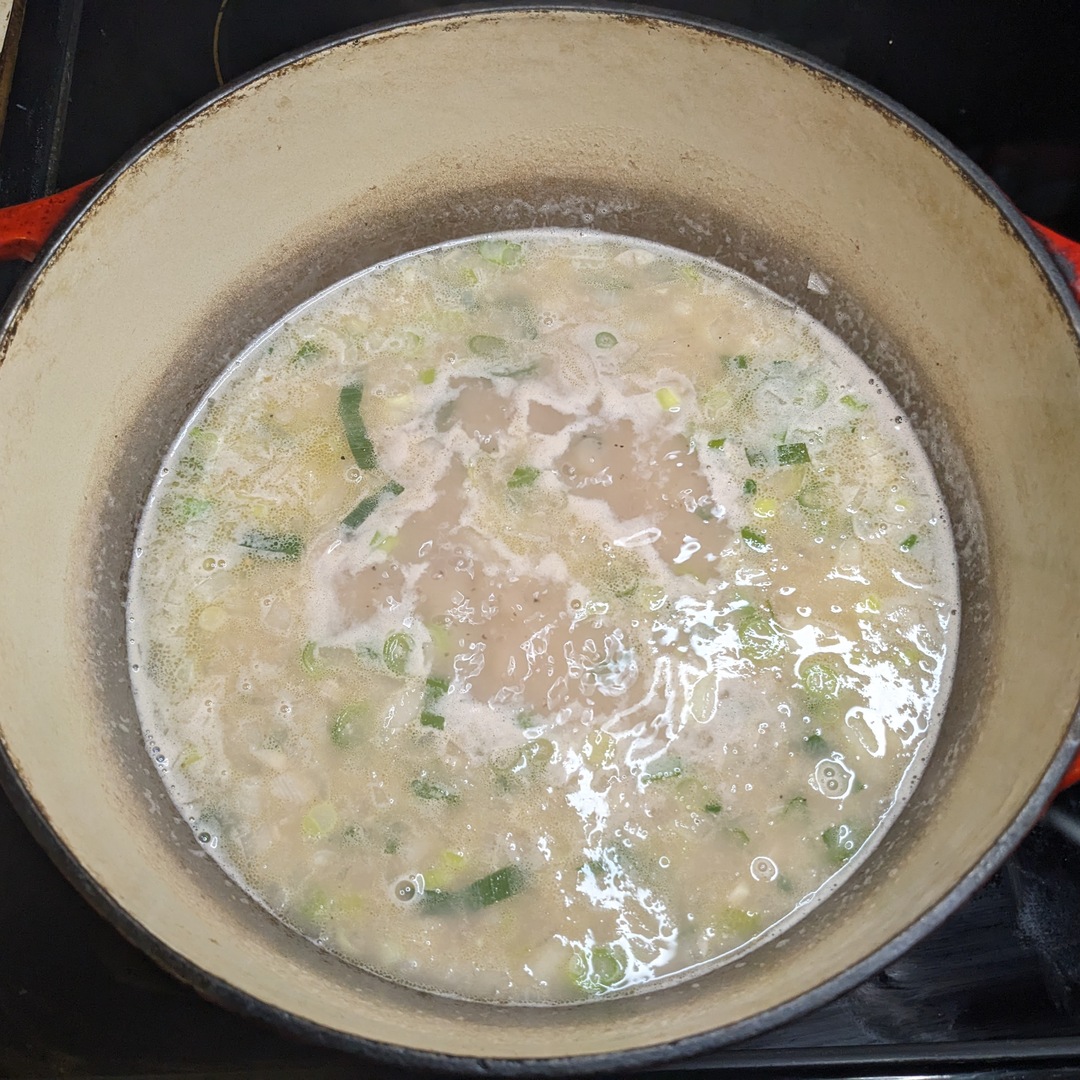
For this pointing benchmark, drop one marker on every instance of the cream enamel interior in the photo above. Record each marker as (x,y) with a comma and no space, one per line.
(392,142)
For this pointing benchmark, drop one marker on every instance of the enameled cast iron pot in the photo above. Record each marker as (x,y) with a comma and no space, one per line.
(376,144)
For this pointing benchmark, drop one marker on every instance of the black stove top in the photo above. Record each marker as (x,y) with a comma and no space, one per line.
(995,991)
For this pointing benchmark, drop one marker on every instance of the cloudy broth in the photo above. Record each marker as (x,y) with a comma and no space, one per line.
(542,616)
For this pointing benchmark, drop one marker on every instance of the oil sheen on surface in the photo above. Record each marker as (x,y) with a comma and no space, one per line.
(542,616)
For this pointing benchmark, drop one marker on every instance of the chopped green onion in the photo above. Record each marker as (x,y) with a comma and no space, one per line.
(713,808)
(184,508)
(739,835)
(516,373)
(598,969)
(909,543)
(383,543)
(440,876)
(501,252)
(757,458)
(352,834)
(189,757)
(365,507)
(500,885)
(445,870)
(608,284)
(319,820)
(362,511)
(496,887)
(842,841)
(815,744)
(668,399)
(309,350)
(430,789)
(853,403)
(734,920)
(750,487)
(604,340)
(523,476)
(309,658)
(435,687)
(487,346)
(427,376)
(795,805)
(202,439)
(741,362)
(350,905)
(754,539)
(396,649)
(716,444)
(820,679)
(316,907)
(792,453)
(190,466)
(345,727)
(200,443)
(285,547)
(597,866)
(665,769)
(760,636)
(363,451)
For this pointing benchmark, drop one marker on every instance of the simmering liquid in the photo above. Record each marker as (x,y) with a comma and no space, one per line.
(542,616)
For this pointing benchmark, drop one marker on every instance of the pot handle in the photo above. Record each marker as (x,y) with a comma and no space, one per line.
(1065,251)
(1072,776)
(24,228)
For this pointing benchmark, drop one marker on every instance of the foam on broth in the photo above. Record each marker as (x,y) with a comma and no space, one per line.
(542,616)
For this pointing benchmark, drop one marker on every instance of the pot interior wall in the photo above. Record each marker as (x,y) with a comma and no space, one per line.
(451,128)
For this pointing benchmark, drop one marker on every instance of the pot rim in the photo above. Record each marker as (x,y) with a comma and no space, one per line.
(222,992)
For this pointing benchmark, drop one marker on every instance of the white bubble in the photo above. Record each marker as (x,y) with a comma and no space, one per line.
(762,868)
